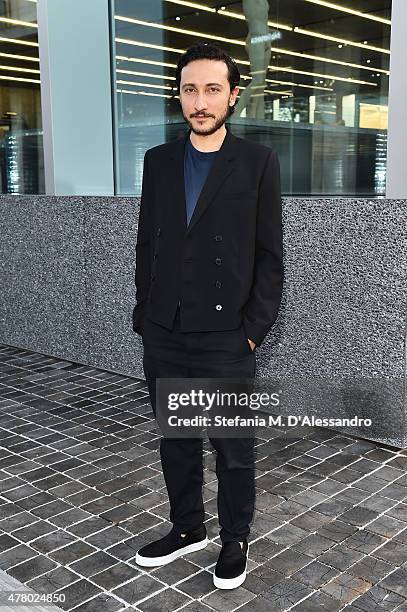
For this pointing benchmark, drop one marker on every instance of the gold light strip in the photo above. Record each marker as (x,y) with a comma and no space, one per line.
(328,60)
(243,76)
(247,63)
(164,77)
(242,16)
(144,61)
(146,74)
(202,7)
(14,68)
(137,43)
(344,9)
(332,5)
(10,78)
(305,32)
(20,57)
(299,85)
(344,41)
(282,93)
(275,49)
(143,84)
(18,42)
(143,93)
(27,24)
(321,76)
(160,26)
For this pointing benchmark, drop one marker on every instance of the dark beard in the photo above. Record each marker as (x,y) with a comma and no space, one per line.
(205,131)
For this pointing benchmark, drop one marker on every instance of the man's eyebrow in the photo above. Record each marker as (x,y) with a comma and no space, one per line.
(193,84)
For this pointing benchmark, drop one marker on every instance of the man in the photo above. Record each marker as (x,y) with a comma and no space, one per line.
(209,275)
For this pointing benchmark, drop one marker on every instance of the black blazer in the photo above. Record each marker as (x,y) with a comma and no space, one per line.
(226,267)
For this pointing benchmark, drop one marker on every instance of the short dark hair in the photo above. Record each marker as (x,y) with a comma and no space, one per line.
(212,52)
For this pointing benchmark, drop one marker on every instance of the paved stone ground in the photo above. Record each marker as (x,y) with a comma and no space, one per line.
(10,592)
(81,490)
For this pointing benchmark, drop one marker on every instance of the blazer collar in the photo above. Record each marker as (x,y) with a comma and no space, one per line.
(218,172)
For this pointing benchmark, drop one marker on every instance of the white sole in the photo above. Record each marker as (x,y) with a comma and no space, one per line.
(156,561)
(231,583)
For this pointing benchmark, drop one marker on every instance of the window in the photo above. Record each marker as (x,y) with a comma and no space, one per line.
(21,153)
(321,103)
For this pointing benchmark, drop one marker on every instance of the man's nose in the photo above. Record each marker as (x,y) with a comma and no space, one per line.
(200,103)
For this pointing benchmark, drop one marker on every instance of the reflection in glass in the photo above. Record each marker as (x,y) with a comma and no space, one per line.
(21,153)
(258,49)
(314,84)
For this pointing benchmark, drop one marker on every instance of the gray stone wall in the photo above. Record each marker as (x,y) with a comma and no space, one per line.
(338,347)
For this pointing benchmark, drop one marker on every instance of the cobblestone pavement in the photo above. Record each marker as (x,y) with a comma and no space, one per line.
(81,490)
(13,592)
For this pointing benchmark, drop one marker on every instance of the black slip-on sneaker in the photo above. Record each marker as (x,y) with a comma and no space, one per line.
(230,570)
(171,547)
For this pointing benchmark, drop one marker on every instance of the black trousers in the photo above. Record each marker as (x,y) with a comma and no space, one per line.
(215,354)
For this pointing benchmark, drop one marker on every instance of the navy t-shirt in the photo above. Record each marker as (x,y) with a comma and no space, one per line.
(196,169)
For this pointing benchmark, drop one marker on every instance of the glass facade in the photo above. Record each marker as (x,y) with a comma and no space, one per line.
(21,150)
(314,84)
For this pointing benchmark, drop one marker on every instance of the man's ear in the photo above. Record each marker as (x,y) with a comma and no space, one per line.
(234,93)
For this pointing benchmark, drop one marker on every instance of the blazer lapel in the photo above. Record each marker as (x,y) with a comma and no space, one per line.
(220,169)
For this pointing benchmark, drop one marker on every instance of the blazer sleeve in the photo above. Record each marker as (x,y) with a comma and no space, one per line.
(261,309)
(143,263)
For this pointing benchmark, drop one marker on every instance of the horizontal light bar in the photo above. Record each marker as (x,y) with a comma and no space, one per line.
(20,57)
(344,9)
(242,16)
(143,84)
(344,41)
(14,68)
(140,60)
(305,32)
(27,24)
(143,93)
(328,60)
(10,78)
(280,93)
(202,7)
(147,93)
(146,74)
(247,63)
(241,43)
(279,49)
(137,43)
(322,76)
(161,26)
(299,85)
(243,76)
(18,42)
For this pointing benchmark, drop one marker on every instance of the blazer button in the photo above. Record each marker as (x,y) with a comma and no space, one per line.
(159,231)
(218,306)
(218,261)
(155,255)
(218,284)
(218,238)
